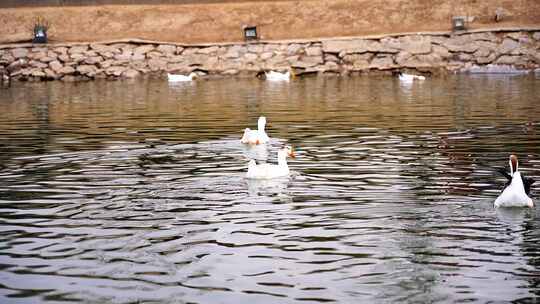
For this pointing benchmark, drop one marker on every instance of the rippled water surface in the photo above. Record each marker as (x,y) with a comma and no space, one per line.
(134,192)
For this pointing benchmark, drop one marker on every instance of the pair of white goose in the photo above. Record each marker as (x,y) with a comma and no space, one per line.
(265,171)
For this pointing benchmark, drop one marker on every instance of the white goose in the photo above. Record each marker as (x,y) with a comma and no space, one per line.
(410,77)
(516,190)
(278,76)
(255,137)
(180,77)
(267,171)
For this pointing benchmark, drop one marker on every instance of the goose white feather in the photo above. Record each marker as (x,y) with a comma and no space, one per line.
(514,194)
(180,77)
(255,137)
(277,76)
(409,77)
(267,171)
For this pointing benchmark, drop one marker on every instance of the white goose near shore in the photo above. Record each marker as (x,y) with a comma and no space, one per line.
(268,171)
(517,189)
(410,77)
(255,137)
(180,77)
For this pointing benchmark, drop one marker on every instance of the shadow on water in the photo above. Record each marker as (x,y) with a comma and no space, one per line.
(135,191)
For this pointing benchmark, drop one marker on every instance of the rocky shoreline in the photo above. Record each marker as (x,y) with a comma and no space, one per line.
(486,51)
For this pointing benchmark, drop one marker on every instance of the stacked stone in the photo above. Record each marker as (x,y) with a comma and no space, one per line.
(520,50)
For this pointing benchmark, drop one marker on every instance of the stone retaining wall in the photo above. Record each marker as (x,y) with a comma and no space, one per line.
(425,53)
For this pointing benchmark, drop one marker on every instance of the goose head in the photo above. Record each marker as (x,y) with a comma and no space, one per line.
(513,162)
(285,152)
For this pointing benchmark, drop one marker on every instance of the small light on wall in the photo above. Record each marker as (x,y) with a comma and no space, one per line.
(250,33)
(40,35)
(458,23)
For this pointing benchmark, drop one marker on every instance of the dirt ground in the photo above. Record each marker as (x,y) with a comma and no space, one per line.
(194,23)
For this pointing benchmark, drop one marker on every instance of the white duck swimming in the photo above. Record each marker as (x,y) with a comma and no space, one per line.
(180,77)
(516,190)
(410,77)
(278,76)
(255,137)
(267,171)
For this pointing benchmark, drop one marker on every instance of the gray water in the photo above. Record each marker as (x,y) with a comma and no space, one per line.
(134,192)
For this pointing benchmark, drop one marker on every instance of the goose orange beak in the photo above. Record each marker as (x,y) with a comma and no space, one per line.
(292,154)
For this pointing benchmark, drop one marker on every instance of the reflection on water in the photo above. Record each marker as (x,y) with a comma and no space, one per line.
(135,191)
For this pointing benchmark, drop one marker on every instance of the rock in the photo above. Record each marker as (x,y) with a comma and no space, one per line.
(55,65)
(102,48)
(510,60)
(359,61)
(515,35)
(115,71)
(38,64)
(166,48)
(37,55)
(66,70)
(19,53)
(235,51)
(211,63)
(255,48)
(465,57)
(330,57)
(230,72)
(294,49)
(125,56)
(138,65)
(487,36)
(64,58)
(61,50)
(441,51)
(487,59)
(250,57)
(461,44)
(37,73)
(50,74)
(105,63)
(273,47)
(47,59)
(87,70)
(307,62)
(415,44)
(536,36)
(314,51)
(351,46)
(77,57)
(138,57)
(208,50)
(507,46)
(330,66)
(93,60)
(130,73)
(482,52)
(78,49)
(90,53)
(70,78)
(157,64)
(154,54)
(266,55)
(382,63)
(422,61)
(143,49)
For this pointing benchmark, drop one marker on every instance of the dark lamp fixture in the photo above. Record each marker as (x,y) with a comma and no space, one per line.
(458,23)
(40,34)
(250,33)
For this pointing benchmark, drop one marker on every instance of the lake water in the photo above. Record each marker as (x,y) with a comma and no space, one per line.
(134,191)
